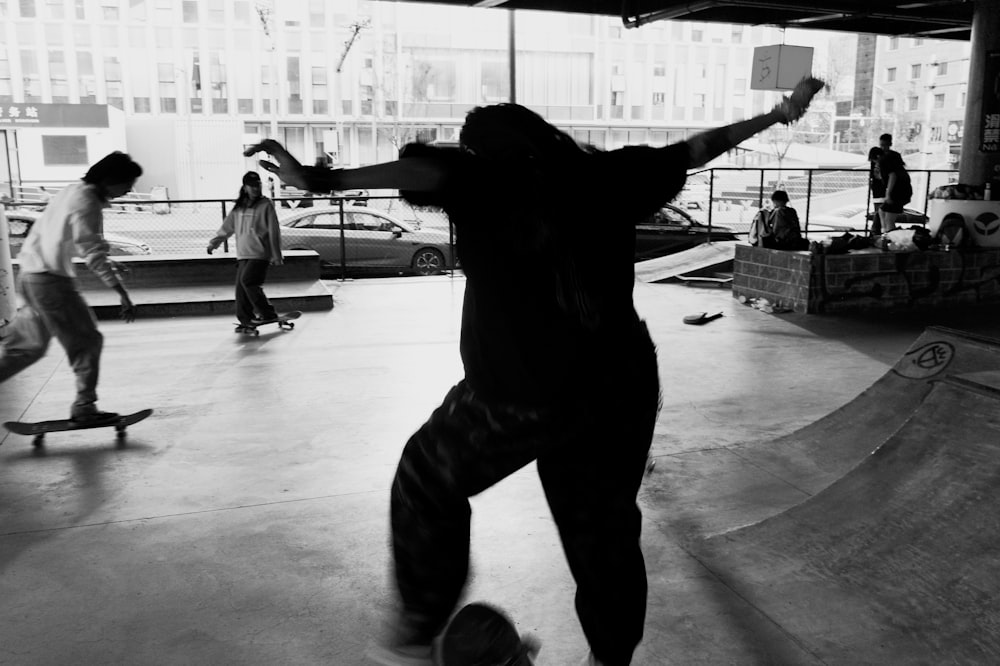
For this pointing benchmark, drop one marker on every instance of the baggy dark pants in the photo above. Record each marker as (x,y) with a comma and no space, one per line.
(53,306)
(590,469)
(250,297)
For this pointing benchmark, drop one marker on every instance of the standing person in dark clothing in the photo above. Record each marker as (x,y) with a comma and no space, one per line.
(877,187)
(559,368)
(898,189)
(72,225)
(258,244)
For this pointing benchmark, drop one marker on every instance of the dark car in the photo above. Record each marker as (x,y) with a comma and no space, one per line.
(19,223)
(672,230)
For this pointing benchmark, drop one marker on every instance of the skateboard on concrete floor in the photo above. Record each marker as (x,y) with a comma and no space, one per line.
(283,321)
(483,634)
(38,430)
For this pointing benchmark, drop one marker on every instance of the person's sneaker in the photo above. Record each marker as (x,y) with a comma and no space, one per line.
(408,655)
(95,416)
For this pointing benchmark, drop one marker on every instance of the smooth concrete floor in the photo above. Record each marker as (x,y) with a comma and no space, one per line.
(246,522)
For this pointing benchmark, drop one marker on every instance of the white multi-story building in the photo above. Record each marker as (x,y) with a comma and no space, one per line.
(349,81)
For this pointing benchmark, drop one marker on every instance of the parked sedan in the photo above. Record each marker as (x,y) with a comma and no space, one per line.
(19,221)
(372,240)
(672,230)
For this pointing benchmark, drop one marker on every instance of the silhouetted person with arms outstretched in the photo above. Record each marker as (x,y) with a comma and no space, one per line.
(559,368)
(72,225)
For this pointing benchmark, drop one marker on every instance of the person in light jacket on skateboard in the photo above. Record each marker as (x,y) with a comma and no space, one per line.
(258,244)
(71,226)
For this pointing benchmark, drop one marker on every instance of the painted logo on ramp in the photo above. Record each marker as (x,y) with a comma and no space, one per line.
(925,361)
(986,224)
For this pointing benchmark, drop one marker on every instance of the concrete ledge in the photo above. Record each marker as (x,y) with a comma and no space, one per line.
(203,284)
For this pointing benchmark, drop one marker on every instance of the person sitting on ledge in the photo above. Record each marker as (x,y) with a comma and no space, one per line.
(778,229)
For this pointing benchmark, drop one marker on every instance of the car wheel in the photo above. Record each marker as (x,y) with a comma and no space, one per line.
(428,261)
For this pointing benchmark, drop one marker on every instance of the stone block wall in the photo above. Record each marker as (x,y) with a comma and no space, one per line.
(781,277)
(868,280)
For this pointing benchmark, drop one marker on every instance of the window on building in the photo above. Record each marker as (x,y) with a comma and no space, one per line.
(893,43)
(80,9)
(915,71)
(241,11)
(961,100)
(216,12)
(919,41)
(939,101)
(28,9)
(219,82)
(166,78)
(194,92)
(890,75)
(87,80)
(164,38)
(942,68)
(737,34)
(890,105)
(294,78)
(31,77)
(697,35)
(64,150)
(113,81)
(659,99)
(317,13)
(659,70)
(142,105)
(319,89)
(58,79)
(81,35)
(56,9)
(164,12)
(110,11)
(190,11)
(137,10)
(495,82)
(434,81)
(914,103)
(6,83)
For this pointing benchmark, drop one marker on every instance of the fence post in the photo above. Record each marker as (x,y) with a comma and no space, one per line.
(809,194)
(343,242)
(225,243)
(760,191)
(711,196)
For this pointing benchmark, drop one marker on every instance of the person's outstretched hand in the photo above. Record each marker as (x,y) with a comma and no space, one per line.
(288,169)
(127,310)
(794,106)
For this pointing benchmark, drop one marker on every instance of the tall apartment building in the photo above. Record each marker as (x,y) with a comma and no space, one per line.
(348,81)
(920,88)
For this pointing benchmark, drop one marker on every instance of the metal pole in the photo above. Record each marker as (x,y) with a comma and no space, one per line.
(512,55)
(225,243)
(343,243)
(711,196)
(809,193)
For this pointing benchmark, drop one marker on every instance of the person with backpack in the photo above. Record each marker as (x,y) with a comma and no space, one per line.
(898,189)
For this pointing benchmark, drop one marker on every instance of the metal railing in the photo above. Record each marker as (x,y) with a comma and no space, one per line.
(358,232)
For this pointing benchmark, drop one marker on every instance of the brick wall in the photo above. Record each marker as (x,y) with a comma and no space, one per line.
(781,277)
(867,281)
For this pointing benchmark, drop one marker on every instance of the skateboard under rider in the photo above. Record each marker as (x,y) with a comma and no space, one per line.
(483,634)
(284,322)
(38,430)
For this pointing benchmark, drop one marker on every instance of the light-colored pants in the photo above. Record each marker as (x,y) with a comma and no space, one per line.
(54,307)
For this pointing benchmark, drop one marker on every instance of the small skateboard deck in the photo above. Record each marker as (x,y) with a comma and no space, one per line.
(701,318)
(483,634)
(38,430)
(284,322)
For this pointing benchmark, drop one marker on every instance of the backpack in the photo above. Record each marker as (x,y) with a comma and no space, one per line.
(760,228)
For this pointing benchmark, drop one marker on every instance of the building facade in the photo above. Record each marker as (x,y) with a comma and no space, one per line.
(348,82)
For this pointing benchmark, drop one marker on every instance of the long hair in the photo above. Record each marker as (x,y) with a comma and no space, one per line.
(513,133)
(116,168)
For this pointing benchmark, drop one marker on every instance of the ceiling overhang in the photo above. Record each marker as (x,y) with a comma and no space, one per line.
(933,19)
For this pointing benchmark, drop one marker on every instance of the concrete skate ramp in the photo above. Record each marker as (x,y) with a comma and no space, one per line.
(699,258)
(822,452)
(896,563)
